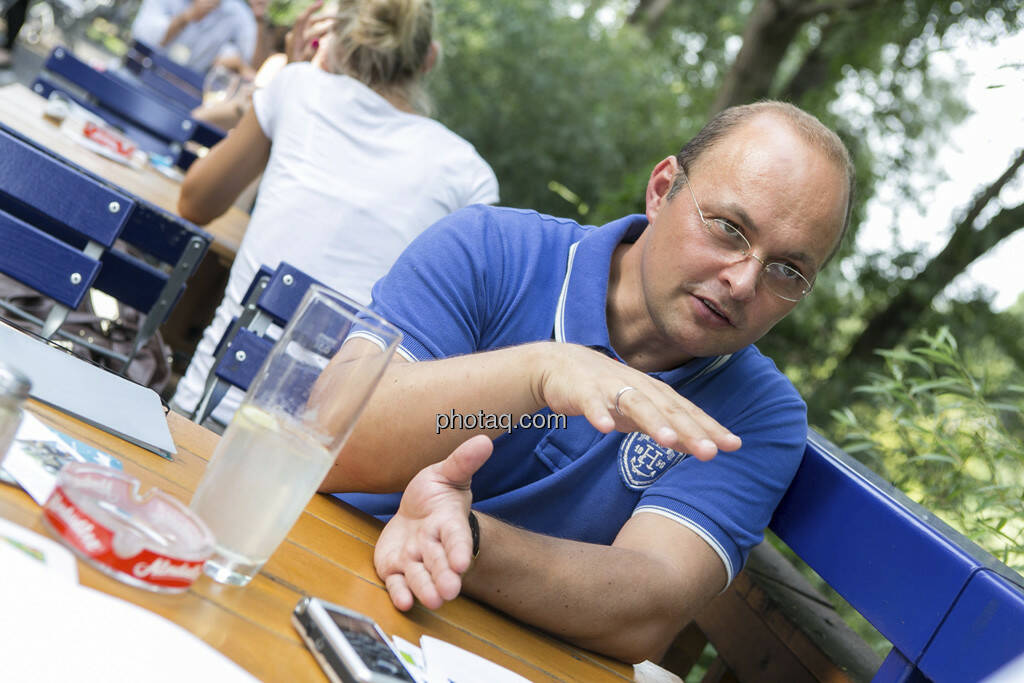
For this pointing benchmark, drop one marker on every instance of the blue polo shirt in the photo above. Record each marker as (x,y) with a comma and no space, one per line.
(486,278)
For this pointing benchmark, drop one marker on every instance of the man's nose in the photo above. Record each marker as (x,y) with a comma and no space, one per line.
(742,277)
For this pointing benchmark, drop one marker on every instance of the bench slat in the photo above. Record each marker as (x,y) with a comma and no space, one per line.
(43,263)
(964,649)
(860,536)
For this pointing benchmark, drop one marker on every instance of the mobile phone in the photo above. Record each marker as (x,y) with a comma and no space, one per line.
(349,646)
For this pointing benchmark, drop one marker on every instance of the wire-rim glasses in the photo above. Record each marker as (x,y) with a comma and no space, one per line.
(782,280)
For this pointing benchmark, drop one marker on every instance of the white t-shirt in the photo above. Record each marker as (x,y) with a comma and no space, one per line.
(351,180)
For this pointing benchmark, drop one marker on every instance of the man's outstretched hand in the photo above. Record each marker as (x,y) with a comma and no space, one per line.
(427,546)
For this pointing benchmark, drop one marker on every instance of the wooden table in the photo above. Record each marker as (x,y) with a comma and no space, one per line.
(22,110)
(328,554)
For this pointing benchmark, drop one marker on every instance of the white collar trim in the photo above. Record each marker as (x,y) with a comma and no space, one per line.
(563,295)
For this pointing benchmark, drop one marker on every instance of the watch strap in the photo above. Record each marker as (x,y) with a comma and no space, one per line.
(474,530)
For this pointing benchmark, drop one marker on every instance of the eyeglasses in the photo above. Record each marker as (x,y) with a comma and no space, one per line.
(782,280)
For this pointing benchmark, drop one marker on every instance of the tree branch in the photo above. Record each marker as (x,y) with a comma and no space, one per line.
(903,311)
(813,70)
(888,326)
(982,199)
(770,30)
(647,13)
(637,15)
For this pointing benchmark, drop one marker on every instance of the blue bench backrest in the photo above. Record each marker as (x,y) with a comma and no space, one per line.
(149,228)
(152,281)
(273,297)
(919,582)
(278,303)
(163,120)
(162,62)
(55,226)
(284,293)
(246,353)
(161,81)
(155,122)
(44,263)
(50,214)
(31,183)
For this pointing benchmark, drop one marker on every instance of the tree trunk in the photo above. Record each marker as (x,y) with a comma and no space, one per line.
(647,14)
(813,71)
(885,329)
(770,30)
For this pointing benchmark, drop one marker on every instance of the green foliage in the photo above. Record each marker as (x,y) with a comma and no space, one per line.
(568,112)
(108,35)
(573,107)
(950,436)
(284,12)
(875,82)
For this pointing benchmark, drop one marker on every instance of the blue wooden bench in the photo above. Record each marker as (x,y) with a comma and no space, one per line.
(951,610)
(272,298)
(57,227)
(186,78)
(156,123)
(147,268)
(159,73)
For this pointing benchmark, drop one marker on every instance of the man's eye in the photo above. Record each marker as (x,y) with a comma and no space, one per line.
(727,229)
(785,272)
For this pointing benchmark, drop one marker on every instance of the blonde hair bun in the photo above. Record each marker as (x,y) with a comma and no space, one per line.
(382,43)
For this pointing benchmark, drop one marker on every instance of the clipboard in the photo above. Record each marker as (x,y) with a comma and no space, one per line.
(89,393)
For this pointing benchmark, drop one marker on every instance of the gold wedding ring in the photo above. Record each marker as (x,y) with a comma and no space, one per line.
(619,396)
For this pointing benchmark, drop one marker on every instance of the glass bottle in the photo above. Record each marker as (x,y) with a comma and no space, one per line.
(14,388)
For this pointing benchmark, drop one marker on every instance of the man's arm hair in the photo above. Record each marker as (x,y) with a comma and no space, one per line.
(396,435)
(627,600)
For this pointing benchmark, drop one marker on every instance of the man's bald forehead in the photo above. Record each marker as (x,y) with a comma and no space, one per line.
(806,126)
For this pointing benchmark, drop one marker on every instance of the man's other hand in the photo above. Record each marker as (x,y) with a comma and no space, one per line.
(427,546)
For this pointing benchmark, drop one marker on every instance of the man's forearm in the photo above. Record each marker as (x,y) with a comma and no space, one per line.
(177,25)
(621,602)
(397,435)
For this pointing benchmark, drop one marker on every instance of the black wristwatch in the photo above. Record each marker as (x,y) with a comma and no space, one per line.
(474,530)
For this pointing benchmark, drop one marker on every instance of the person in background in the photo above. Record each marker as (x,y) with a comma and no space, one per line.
(196,33)
(14,19)
(269,40)
(353,169)
(310,29)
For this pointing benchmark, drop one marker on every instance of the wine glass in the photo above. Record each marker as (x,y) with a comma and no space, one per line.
(220,84)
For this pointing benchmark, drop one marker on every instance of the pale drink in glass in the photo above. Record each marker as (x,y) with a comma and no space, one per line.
(281,443)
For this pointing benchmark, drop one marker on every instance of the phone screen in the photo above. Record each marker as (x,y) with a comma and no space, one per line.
(347,623)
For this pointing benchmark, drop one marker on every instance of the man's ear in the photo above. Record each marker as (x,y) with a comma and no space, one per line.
(659,185)
(433,54)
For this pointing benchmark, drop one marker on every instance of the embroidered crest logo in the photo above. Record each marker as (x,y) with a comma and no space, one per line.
(642,460)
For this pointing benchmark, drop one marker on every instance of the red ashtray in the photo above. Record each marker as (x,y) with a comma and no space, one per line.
(153,542)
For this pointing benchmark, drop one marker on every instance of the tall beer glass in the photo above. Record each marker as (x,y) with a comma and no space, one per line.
(289,429)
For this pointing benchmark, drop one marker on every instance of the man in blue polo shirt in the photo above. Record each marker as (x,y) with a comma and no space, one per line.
(612,526)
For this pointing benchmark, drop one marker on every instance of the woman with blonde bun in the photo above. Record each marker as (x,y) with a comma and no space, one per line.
(353,169)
